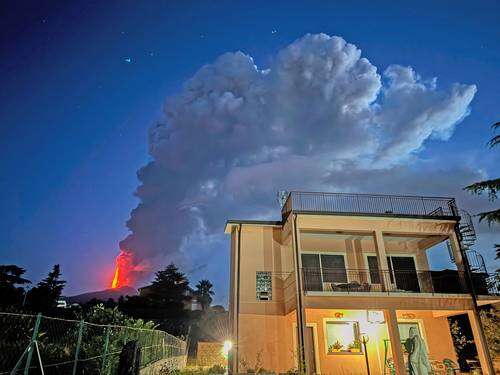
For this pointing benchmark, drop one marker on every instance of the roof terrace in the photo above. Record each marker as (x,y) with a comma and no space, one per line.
(369,205)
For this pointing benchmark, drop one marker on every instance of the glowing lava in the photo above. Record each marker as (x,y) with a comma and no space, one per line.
(126,271)
(114,283)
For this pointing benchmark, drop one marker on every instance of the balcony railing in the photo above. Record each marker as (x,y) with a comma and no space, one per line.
(398,281)
(369,204)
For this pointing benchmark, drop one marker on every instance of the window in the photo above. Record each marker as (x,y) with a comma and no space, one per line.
(264,286)
(324,268)
(374,270)
(333,267)
(402,272)
(343,337)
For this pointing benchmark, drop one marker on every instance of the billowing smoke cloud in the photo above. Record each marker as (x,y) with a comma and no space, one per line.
(320,117)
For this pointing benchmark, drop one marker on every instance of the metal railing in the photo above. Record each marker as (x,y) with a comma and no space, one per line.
(367,204)
(397,281)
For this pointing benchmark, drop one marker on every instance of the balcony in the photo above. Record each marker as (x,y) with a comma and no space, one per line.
(355,281)
(369,204)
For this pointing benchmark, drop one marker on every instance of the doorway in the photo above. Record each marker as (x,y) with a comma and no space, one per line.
(310,353)
(311,347)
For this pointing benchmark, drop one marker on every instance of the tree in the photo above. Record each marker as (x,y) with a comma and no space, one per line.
(170,288)
(204,293)
(45,295)
(163,301)
(491,187)
(10,279)
(491,325)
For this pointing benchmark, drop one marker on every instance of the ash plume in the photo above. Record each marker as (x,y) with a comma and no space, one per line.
(320,117)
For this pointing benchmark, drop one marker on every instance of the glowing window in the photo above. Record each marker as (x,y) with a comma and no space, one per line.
(343,337)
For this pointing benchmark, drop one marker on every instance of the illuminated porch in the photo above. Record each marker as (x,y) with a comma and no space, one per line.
(335,340)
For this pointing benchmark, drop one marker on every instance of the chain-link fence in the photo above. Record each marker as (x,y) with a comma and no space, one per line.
(36,344)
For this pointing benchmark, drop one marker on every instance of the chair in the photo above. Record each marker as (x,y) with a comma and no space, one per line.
(451,367)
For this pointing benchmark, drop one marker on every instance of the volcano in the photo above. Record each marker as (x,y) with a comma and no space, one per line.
(104,295)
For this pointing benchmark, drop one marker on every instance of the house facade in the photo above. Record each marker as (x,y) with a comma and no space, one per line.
(340,283)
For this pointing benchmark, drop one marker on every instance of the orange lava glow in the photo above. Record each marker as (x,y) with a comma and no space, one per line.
(114,283)
(126,270)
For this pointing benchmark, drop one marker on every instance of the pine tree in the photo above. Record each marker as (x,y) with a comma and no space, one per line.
(10,281)
(45,295)
(491,187)
(204,293)
(170,288)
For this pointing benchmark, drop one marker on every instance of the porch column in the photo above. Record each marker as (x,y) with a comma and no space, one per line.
(481,344)
(457,254)
(301,314)
(382,260)
(396,348)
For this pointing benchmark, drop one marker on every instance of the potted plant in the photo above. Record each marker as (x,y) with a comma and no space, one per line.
(355,346)
(336,347)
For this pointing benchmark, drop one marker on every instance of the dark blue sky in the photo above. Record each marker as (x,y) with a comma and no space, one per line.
(74,112)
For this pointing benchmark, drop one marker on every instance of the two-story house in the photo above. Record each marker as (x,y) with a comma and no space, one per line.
(342,280)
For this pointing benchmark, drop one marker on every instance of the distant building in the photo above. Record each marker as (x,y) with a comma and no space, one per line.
(339,269)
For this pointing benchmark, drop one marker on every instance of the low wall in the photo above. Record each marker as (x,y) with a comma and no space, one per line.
(209,354)
(174,363)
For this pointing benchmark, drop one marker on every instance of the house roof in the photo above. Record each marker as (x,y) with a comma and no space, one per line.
(232,223)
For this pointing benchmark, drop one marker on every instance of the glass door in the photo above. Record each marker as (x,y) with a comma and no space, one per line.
(312,272)
(405,273)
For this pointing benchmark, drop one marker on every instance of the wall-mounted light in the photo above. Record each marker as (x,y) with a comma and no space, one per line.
(226,347)
(374,316)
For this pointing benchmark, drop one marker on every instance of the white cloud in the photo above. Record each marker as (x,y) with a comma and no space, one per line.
(237,133)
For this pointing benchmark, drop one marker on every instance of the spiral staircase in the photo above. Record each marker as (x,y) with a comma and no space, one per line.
(468,239)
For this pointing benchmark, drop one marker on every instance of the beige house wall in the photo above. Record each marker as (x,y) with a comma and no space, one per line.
(267,342)
(265,329)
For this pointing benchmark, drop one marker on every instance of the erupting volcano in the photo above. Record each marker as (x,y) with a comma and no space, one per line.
(124,269)
(114,283)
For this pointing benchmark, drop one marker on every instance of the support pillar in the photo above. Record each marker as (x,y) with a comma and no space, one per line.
(396,348)
(383,267)
(233,358)
(481,344)
(301,314)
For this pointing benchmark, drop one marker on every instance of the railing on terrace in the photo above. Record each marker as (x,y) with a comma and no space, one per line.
(369,204)
(407,281)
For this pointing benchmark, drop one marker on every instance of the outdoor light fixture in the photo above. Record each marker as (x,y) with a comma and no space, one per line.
(374,316)
(364,339)
(226,347)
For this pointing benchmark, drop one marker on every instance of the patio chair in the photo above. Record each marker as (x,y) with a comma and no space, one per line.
(451,367)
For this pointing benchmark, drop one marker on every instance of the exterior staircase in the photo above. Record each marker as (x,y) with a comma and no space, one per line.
(468,239)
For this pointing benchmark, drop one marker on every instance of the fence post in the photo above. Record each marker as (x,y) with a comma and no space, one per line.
(125,336)
(31,344)
(106,344)
(78,343)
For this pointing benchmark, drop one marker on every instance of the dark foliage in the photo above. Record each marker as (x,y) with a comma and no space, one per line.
(491,187)
(11,279)
(43,298)
(164,302)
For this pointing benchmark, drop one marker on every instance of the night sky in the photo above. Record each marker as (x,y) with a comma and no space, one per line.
(82,82)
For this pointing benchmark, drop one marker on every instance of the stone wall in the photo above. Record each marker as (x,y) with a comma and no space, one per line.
(210,354)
